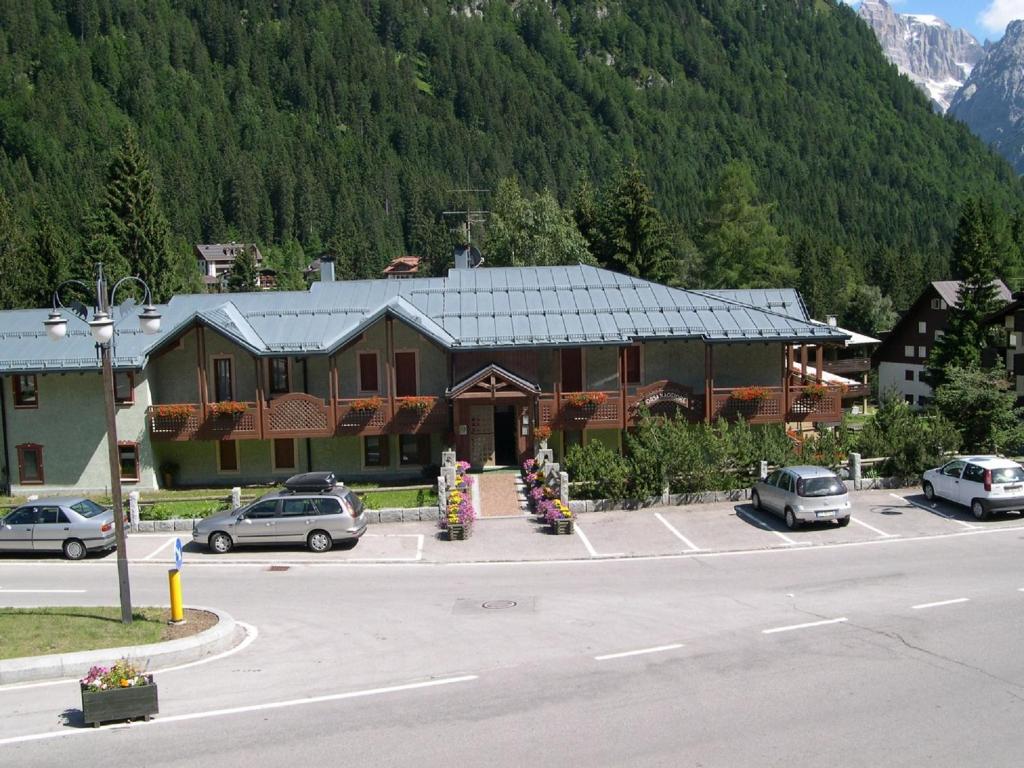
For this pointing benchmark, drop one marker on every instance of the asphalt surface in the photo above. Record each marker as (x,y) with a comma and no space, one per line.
(899,650)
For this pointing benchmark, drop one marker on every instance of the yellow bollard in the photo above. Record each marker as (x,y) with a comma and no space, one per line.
(174,582)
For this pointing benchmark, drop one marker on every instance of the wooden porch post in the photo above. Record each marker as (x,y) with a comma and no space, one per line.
(803,364)
(709,382)
(787,351)
(389,364)
(622,388)
(819,363)
(204,397)
(332,390)
(260,401)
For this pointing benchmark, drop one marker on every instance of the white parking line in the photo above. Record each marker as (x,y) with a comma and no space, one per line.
(941,602)
(242,710)
(590,547)
(802,626)
(624,654)
(934,511)
(871,527)
(764,526)
(161,548)
(41,591)
(692,547)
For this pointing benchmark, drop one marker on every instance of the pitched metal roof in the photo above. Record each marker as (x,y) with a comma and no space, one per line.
(949,290)
(468,309)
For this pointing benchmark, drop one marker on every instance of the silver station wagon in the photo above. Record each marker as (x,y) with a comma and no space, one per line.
(312,510)
(72,525)
(803,495)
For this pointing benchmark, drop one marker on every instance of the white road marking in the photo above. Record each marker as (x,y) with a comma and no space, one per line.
(764,526)
(242,710)
(692,547)
(941,602)
(934,511)
(415,558)
(802,626)
(590,547)
(870,527)
(624,654)
(41,591)
(251,633)
(161,548)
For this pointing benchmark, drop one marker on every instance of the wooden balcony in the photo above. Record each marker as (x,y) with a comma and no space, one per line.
(810,403)
(569,411)
(664,398)
(768,407)
(848,366)
(244,425)
(419,415)
(174,421)
(297,415)
(362,416)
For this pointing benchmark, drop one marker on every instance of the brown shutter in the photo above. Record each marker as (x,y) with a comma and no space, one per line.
(284,453)
(632,365)
(572,370)
(228,455)
(368,372)
(405,374)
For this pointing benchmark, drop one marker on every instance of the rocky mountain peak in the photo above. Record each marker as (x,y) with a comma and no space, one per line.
(925,48)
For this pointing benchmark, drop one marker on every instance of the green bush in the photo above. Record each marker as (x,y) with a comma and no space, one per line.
(912,441)
(604,474)
(166,510)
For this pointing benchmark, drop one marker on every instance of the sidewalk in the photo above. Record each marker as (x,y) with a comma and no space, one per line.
(497,493)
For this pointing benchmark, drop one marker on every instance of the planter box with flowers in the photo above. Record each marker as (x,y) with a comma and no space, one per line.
(228,409)
(542,435)
(749,394)
(173,412)
(460,514)
(558,516)
(415,405)
(366,405)
(586,399)
(119,692)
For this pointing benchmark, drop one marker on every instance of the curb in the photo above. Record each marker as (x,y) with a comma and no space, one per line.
(225,634)
(389,515)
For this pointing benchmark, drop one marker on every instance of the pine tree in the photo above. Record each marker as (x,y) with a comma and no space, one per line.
(243,276)
(633,235)
(129,233)
(981,244)
(741,246)
(14,253)
(51,249)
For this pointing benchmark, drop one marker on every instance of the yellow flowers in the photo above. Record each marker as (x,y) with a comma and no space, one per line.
(124,683)
(454,497)
(562,508)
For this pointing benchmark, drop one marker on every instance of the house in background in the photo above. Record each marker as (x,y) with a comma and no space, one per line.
(1010,354)
(902,357)
(373,378)
(216,259)
(402,267)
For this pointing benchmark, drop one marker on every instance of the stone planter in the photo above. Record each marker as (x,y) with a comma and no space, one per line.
(458,532)
(134,703)
(562,526)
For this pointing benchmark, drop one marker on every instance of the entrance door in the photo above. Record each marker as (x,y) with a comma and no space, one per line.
(481,435)
(505,452)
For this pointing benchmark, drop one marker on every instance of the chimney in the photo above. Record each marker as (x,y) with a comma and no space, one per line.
(326,268)
(462,257)
(832,320)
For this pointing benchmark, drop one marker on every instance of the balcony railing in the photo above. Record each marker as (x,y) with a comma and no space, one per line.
(416,415)
(815,403)
(581,410)
(174,421)
(297,415)
(849,365)
(221,425)
(757,405)
(665,398)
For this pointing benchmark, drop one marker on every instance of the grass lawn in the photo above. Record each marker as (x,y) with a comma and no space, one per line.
(400,498)
(40,631)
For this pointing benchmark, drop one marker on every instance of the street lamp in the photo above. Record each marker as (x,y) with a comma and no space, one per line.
(102,329)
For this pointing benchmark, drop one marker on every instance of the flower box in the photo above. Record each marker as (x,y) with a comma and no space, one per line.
(586,399)
(562,526)
(415,404)
(749,394)
(173,411)
(458,531)
(366,405)
(129,703)
(228,408)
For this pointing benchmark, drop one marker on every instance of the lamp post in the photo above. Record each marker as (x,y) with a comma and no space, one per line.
(102,328)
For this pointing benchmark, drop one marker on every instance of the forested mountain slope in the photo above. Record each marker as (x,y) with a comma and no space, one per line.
(344,123)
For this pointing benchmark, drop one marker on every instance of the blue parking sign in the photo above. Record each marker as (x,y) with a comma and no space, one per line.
(177,554)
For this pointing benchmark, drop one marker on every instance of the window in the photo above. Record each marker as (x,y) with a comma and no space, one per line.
(572,370)
(922,326)
(908,351)
(88,508)
(26,393)
(262,510)
(375,451)
(909,374)
(633,365)
(923,400)
(921,374)
(328,506)
(124,387)
(785,482)
(227,456)
(909,399)
(974,473)
(939,335)
(939,304)
(773,478)
(223,380)
(405,374)
(279,381)
(922,351)
(413,450)
(23,516)
(284,453)
(953,469)
(128,459)
(51,516)
(368,381)
(30,464)
(298,508)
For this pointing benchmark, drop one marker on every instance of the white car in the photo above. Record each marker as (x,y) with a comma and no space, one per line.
(986,484)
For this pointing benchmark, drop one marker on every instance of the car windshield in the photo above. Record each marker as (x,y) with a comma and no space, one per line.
(87,508)
(822,486)
(1008,475)
(354,503)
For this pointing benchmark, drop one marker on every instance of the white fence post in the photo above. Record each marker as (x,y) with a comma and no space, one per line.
(855,473)
(236,497)
(133,510)
(762,470)
(563,487)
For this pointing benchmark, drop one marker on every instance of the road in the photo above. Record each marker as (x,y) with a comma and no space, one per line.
(897,652)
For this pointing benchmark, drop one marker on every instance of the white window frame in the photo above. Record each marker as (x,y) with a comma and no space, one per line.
(908,350)
(238,458)
(273,455)
(939,335)
(394,370)
(922,326)
(922,352)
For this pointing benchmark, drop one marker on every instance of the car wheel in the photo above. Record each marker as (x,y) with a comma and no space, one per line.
(844,521)
(978,510)
(319,541)
(755,501)
(929,492)
(74,549)
(221,543)
(791,521)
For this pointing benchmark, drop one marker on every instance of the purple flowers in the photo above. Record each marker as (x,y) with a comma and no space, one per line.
(459,508)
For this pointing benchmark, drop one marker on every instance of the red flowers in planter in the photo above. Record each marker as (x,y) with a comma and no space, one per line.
(419,404)
(586,399)
(228,408)
(541,433)
(366,404)
(749,394)
(173,411)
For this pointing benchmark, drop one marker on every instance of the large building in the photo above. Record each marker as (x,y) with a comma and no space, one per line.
(374,378)
(902,357)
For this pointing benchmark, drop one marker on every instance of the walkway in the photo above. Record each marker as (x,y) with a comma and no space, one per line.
(498,496)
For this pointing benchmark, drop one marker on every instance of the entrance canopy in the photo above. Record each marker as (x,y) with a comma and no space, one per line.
(492,382)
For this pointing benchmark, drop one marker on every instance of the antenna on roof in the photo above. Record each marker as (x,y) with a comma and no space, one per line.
(469,216)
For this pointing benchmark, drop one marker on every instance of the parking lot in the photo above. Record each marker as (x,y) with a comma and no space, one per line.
(727,527)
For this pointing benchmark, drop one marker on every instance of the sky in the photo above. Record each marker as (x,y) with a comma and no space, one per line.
(982,18)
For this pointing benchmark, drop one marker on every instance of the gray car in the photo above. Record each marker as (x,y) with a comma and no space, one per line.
(803,495)
(72,525)
(312,510)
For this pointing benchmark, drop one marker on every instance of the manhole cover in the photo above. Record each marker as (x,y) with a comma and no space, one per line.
(275,568)
(499,604)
